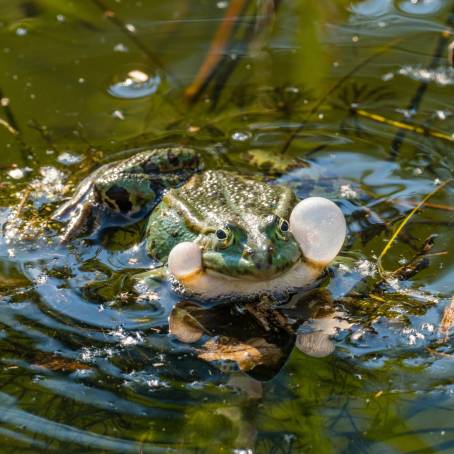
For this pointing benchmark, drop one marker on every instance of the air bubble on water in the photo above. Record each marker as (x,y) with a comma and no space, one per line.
(120,47)
(118,114)
(16,174)
(68,159)
(136,84)
(21,31)
(442,114)
(130,28)
(240,136)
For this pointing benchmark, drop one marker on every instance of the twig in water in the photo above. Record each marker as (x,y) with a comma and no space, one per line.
(404,223)
(417,263)
(218,65)
(405,126)
(217,48)
(435,206)
(8,127)
(415,102)
(22,202)
(451,54)
(11,121)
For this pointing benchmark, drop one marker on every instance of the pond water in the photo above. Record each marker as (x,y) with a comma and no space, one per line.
(350,99)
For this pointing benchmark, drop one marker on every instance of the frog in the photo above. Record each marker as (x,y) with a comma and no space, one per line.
(215,233)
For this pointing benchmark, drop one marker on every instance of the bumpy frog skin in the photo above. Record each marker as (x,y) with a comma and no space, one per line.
(221,234)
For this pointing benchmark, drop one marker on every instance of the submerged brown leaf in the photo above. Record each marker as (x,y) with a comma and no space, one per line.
(183,325)
(447,322)
(247,355)
(271,161)
(58,363)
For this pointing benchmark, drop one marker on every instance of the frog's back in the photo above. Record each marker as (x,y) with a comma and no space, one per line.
(219,196)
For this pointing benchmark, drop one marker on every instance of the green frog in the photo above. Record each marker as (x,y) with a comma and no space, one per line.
(216,233)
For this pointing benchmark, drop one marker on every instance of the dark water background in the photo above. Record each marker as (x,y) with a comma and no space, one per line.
(353,100)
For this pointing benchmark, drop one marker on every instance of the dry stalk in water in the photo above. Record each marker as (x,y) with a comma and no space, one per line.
(403,224)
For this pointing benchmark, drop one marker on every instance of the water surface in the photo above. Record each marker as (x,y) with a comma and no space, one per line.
(351,100)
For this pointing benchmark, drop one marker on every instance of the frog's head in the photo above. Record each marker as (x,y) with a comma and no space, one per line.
(263,254)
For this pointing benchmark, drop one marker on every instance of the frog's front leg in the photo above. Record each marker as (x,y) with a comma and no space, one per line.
(123,192)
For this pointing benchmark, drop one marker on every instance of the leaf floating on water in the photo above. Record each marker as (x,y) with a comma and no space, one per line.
(183,325)
(447,322)
(247,355)
(270,161)
(58,363)
(317,345)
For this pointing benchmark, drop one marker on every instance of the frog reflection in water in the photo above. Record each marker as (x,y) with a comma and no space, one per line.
(218,234)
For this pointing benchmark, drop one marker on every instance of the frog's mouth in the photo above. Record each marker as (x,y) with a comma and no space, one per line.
(316,223)
(212,285)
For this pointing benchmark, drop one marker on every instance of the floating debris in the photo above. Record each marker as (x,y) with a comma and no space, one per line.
(136,84)
(442,75)
(247,355)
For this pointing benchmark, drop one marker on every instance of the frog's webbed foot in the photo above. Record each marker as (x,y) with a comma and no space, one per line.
(82,213)
(79,224)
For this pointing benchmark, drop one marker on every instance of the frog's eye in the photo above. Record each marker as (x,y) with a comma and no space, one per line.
(224,237)
(283,228)
(319,227)
(221,234)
